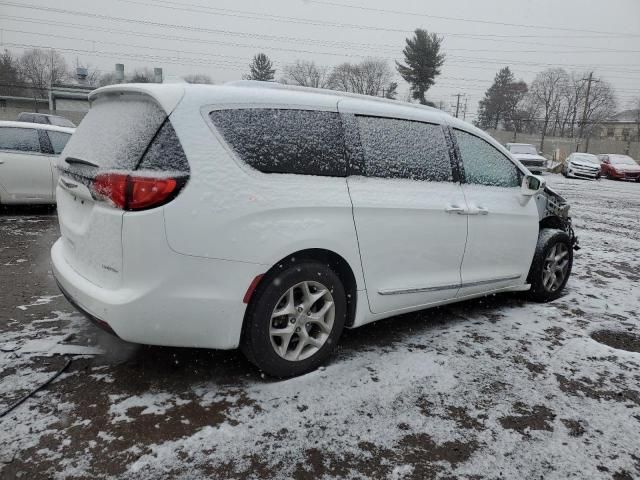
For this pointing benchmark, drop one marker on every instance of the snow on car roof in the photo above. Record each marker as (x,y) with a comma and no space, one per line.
(39,126)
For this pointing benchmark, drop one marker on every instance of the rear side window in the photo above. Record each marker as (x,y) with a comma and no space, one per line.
(26,117)
(404,149)
(165,154)
(19,139)
(484,164)
(305,142)
(61,122)
(58,141)
(117,131)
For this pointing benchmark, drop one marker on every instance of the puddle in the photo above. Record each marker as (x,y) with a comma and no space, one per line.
(619,340)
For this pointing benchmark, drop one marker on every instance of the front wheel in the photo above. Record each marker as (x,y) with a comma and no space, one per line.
(294,319)
(551,266)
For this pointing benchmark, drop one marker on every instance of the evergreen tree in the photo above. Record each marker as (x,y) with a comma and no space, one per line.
(261,68)
(500,102)
(423,61)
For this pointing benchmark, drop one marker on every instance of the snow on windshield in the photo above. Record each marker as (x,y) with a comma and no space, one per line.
(524,149)
(621,160)
(116,131)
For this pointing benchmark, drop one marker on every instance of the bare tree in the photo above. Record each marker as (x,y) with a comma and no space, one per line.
(198,78)
(600,106)
(11,80)
(546,94)
(42,69)
(368,77)
(144,75)
(306,74)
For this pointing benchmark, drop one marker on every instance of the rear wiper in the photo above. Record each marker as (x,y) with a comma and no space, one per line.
(79,161)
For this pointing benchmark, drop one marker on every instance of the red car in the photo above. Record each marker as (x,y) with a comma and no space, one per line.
(620,167)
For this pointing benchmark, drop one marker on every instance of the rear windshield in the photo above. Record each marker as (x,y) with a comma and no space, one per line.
(61,122)
(116,132)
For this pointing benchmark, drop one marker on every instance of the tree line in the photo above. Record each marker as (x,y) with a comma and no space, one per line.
(556,103)
(36,70)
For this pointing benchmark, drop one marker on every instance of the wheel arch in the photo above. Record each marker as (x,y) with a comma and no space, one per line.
(333,260)
(551,221)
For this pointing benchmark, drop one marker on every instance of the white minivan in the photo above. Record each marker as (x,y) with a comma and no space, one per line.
(268,217)
(27,161)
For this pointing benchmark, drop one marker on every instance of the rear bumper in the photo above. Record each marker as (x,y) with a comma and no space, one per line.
(184,302)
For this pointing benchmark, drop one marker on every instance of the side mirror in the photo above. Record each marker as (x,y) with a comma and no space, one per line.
(531,185)
(540,152)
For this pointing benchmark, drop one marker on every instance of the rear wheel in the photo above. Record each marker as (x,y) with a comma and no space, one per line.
(551,266)
(294,320)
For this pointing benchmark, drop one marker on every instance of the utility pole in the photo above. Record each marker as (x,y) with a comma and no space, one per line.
(464,111)
(586,105)
(458,95)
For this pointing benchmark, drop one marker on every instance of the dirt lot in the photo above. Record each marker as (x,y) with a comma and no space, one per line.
(493,388)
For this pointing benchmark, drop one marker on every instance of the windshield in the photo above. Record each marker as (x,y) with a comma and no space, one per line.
(586,158)
(523,149)
(621,160)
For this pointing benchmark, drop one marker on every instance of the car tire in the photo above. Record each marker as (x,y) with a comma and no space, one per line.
(282,314)
(548,276)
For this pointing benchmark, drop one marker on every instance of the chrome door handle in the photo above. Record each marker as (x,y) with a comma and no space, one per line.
(1,162)
(477,211)
(455,209)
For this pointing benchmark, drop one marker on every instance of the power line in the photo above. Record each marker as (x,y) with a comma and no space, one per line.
(460,19)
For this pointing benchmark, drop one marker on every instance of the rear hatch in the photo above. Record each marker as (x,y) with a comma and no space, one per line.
(123,157)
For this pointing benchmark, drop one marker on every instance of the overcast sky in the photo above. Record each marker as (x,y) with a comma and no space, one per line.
(219,38)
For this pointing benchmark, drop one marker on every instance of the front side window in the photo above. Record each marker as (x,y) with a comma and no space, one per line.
(58,141)
(305,142)
(484,164)
(19,139)
(404,149)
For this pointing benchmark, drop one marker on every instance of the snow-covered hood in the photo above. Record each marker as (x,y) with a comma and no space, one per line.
(626,168)
(584,163)
(523,157)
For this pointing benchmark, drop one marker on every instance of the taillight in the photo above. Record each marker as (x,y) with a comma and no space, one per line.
(131,192)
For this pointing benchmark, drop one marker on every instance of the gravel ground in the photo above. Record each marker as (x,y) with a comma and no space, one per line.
(492,388)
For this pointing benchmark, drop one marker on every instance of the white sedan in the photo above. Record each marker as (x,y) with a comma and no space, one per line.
(27,161)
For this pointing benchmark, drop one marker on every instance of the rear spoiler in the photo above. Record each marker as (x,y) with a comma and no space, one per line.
(168,96)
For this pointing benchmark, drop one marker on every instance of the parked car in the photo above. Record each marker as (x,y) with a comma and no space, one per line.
(581,165)
(45,119)
(27,161)
(528,155)
(620,167)
(271,217)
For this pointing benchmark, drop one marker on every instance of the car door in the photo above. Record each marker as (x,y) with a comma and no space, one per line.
(405,205)
(25,171)
(503,224)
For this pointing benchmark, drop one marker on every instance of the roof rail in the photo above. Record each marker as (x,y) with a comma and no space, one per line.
(325,91)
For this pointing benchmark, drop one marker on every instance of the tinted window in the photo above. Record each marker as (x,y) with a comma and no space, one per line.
(58,141)
(25,117)
(404,149)
(117,131)
(484,164)
(285,141)
(165,152)
(61,122)
(21,139)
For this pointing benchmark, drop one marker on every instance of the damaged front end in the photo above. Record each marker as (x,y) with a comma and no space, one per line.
(553,211)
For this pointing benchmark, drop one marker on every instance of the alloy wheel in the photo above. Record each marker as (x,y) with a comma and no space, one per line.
(302,321)
(555,267)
